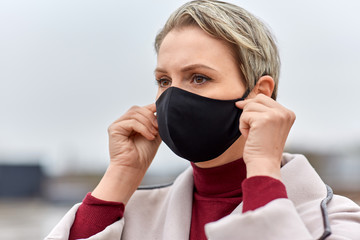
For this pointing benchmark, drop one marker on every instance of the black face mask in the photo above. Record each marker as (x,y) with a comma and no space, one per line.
(197,128)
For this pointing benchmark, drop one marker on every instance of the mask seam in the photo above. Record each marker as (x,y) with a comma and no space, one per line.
(167,125)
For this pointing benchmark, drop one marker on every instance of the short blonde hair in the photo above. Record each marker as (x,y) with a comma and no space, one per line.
(252,43)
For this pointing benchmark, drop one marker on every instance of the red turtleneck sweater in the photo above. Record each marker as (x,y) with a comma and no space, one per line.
(217,192)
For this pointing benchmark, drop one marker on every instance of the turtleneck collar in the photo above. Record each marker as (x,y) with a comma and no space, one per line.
(220,181)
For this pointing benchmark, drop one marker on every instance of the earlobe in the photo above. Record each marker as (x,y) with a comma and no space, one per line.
(265,85)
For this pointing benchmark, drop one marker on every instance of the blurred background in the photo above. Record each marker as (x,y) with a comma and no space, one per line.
(70,68)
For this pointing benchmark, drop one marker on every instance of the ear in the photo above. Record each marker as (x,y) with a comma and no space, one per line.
(265,85)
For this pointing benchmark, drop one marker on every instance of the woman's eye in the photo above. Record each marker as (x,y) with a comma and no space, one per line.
(199,79)
(164,83)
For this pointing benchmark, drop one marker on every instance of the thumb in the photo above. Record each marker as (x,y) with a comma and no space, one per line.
(241,104)
(244,126)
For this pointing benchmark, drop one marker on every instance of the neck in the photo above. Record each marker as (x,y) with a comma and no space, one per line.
(234,152)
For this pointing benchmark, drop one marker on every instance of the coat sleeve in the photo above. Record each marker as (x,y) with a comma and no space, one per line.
(344,217)
(280,220)
(277,220)
(62,229)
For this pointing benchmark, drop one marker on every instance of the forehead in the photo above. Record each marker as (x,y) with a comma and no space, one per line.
(189,44)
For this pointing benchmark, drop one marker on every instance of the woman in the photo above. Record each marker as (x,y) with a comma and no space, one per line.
(217,72)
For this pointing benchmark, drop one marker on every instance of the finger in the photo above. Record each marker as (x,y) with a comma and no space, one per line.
(139,118)
(259,98)
(240,104)
(142,114)
(146,118)
(130,127)
(151,107)
(148,115)
(244,125)
(255,107)
(244,129)
(265,100)
(248,121)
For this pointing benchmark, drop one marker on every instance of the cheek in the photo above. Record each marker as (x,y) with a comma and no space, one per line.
(159,92)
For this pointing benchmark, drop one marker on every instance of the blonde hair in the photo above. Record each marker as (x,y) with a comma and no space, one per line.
(252,43)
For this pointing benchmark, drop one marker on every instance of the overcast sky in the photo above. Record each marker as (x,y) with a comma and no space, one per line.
(68,68)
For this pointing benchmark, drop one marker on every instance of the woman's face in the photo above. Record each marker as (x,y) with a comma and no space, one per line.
(192,60)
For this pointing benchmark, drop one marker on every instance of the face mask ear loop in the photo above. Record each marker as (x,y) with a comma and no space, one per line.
(246,94)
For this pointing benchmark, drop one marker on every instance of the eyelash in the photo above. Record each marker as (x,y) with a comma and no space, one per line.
(201,76)
(160,81)
(193,77)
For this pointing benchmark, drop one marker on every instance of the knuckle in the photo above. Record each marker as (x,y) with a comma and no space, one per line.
(285,117)
(269,117)
(288,116)
(292,116)
(262,97)
(133,109)
(275,116)
(111,129)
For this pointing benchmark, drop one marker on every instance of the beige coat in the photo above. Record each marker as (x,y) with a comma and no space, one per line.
(165,213)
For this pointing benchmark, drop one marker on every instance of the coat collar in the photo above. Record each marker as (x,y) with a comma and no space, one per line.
(302,183)
(179,209)
(304,188)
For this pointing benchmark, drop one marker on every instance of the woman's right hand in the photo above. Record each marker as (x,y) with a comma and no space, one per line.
(133,142)
(134,138)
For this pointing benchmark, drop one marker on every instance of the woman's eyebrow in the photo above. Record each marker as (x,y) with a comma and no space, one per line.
(195,66)
(158,69)
(186,68)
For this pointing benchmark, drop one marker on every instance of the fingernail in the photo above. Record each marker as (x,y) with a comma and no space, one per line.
(155,123)
(153,130)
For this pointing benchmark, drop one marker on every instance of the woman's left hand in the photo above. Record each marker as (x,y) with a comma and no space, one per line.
(265,125)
